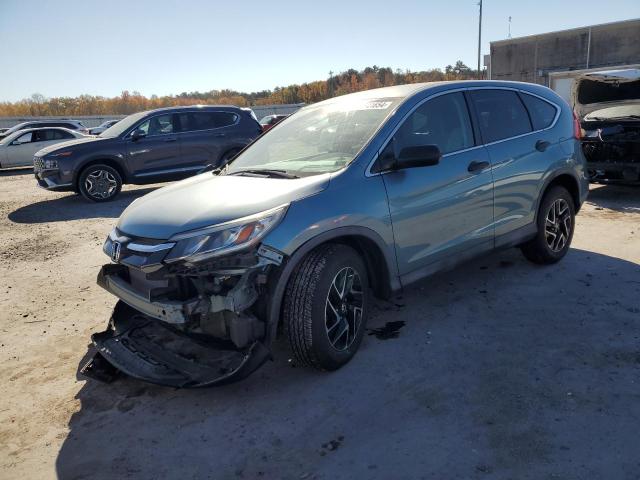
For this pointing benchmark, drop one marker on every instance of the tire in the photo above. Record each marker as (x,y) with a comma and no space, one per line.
(553,239)
(106,182)
(311,324)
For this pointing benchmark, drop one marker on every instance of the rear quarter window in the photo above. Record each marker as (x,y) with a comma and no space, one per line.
(210,120)
(501,114)
(541,112)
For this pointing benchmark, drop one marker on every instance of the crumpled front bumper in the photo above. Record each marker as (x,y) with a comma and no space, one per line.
(154,351)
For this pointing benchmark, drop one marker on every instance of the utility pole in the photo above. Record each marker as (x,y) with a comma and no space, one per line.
(479,38)
(330,83)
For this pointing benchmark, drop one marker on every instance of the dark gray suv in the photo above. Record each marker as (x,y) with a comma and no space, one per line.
(146,147)
(358,195)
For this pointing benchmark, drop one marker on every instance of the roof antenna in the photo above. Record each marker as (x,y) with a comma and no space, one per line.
(509,26)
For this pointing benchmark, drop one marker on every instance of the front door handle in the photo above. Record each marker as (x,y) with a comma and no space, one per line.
(219,134)
(541,145)
(170,139)
(477,166)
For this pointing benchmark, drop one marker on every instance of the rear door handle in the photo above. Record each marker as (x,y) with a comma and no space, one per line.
(170,139)
(477,166)
(541,145)
(219,134)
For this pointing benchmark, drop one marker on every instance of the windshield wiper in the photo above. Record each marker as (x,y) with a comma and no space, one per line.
(266,171)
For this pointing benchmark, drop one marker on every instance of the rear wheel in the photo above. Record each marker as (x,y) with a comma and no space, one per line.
(556,223)
(326,306)
(99,183)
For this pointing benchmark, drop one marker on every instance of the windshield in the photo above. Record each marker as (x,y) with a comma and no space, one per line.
(123,125)
(317,139)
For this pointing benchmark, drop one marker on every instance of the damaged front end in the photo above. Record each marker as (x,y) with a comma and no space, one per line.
(612,150)
(184,321)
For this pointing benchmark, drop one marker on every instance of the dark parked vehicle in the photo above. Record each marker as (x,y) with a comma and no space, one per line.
(271,121)
(357,195)
(70,124)
(146,147)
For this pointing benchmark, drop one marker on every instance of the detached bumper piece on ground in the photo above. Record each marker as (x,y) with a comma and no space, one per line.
(150,350)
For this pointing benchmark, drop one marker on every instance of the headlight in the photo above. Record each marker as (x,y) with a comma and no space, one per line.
(50,164)
(66,153)
(225,238)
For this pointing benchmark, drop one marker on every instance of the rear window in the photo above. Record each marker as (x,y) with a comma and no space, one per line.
(501,114)
(541,112)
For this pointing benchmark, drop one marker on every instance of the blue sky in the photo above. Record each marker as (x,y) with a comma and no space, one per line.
(66,48)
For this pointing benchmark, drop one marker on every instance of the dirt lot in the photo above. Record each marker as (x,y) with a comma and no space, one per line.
(502,370)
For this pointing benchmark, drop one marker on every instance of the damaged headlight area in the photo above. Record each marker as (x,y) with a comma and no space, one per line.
(192,309)
(223,239)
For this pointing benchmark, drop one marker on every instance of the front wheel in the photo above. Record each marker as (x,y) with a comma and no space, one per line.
(99,183)
(556,224)
(325,307)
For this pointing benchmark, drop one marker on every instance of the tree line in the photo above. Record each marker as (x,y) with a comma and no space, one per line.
(130,102)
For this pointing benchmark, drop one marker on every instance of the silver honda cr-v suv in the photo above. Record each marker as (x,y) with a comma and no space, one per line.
(355,196)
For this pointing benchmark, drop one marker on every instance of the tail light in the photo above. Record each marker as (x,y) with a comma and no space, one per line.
(577,129)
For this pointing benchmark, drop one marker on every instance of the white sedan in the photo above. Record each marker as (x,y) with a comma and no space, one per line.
(18,149)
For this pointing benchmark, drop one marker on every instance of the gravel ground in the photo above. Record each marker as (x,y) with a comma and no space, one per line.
(502,369)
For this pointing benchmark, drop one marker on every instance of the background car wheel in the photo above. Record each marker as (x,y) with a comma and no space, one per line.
(99,183)
(227,157)
(556,223)
(326,306)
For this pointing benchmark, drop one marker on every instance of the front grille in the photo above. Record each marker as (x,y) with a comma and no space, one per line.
(38,164)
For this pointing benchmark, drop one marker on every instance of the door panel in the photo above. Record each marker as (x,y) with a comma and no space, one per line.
(518,155)
(442,211)
(517,171)
(207,136)
(157,154)
(19,155)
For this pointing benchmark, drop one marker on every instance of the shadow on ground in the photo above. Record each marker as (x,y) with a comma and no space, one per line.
(74,207)
(12,172)
(503,370)
(621,198)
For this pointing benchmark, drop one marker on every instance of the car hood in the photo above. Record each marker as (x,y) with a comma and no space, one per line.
(70,144)
(209,199)
(597,84)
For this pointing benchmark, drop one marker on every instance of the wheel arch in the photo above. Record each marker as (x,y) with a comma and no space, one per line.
(110,161)
(379,261)
(565,180)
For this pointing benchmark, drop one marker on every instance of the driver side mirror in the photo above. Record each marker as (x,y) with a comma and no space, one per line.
(419,156)
(409,157)
(138,134)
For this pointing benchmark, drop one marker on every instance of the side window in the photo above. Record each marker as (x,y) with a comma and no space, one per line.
(443,121)
(158,125)
(542,113)
(501,114)
(209,120)
(26,138)
(53,134)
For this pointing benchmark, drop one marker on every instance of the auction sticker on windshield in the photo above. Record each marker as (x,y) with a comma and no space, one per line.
(376,105)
